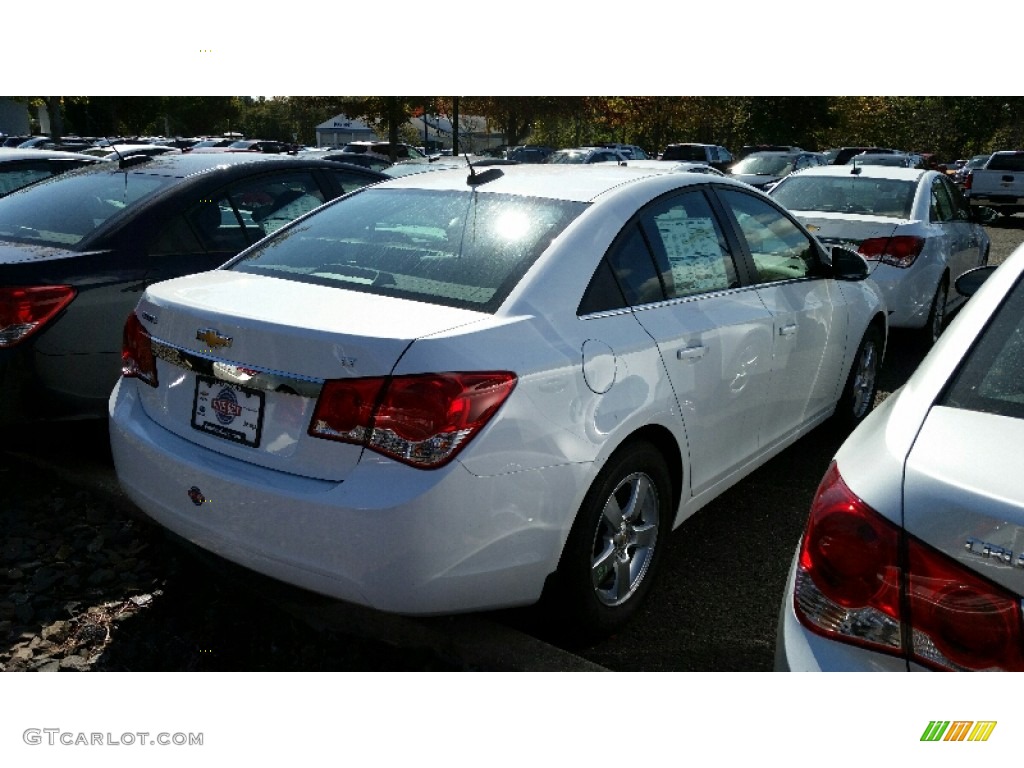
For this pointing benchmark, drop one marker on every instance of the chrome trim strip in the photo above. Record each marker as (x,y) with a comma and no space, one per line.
(250,376)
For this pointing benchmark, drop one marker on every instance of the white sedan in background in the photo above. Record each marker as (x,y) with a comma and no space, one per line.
(461,390)
(913,226)
(913,555)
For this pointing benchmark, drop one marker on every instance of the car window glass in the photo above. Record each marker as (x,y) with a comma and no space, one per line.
(66,209)
(891,198)
(455,248)
(215,224)
(603,292)
(941,205)
(780,249)
(246,211)
(687,240)
(18,176)
(349,181)
(633,264)
(961,208)
(176,237)
(989,378)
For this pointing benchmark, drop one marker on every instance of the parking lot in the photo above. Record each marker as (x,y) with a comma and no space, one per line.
(149,606)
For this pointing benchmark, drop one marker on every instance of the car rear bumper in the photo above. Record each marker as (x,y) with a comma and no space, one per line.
(389,536)
(908,293)
(39,387)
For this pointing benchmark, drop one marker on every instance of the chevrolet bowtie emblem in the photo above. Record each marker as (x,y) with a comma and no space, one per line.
(212,338)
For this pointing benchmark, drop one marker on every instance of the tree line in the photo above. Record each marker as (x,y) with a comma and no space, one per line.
(949,126)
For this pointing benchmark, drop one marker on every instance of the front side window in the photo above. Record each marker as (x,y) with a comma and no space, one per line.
(674,249)
(941,205)
(456,248)
(780,249)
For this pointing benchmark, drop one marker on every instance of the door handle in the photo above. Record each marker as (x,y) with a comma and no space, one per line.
(691,353)
(787,330)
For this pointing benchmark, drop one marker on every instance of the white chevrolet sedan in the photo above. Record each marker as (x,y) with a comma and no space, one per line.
(462,390)
(913,555)
(913,226)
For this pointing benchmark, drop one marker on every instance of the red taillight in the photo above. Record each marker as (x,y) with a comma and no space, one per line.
(26,309)
(137,360)
(959,619)
(969,181)
(422,420)
(852,586)
(899,251)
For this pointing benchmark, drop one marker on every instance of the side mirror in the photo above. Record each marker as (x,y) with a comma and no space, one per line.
(847,264)
(970,281)
(983,214)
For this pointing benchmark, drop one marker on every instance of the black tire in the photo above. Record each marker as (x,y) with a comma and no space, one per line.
(861,386)
(936,315)
(613,550)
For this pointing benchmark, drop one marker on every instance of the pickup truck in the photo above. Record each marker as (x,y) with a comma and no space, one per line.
(998,184)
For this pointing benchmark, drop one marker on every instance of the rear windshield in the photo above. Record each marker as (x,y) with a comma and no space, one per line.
(889,198)
(65,210)
(764,165)
(690,153)
(1014,162)
(455,248)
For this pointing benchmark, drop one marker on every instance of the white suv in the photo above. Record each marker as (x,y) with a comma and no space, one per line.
(382,149)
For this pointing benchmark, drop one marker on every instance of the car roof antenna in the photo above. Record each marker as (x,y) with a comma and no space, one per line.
(120,157)
(476,179)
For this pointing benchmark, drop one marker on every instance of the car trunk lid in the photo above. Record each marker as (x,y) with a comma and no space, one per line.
(241,359)
(848,229)
(962,493)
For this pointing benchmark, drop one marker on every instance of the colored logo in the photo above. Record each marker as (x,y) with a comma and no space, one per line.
(212,338)
(196,495)
(958,730)
(225,406)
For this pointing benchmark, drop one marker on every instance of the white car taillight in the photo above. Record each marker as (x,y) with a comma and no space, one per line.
(863,580)
(422,420)
(24,310)
(137,360)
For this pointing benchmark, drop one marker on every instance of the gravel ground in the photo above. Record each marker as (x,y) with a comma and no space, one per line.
(87,584)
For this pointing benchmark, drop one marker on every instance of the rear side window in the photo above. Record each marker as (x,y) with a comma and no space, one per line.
(685,236)
(674,249)
(989,379)
(456,248)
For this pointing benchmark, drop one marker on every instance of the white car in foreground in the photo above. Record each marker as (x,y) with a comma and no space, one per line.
(914,227)
(460,390)
(913,555)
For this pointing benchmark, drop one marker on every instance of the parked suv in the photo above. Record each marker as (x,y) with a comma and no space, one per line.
(713,154)
(382,149)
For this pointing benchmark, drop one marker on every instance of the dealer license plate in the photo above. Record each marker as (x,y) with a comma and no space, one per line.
(228,411)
